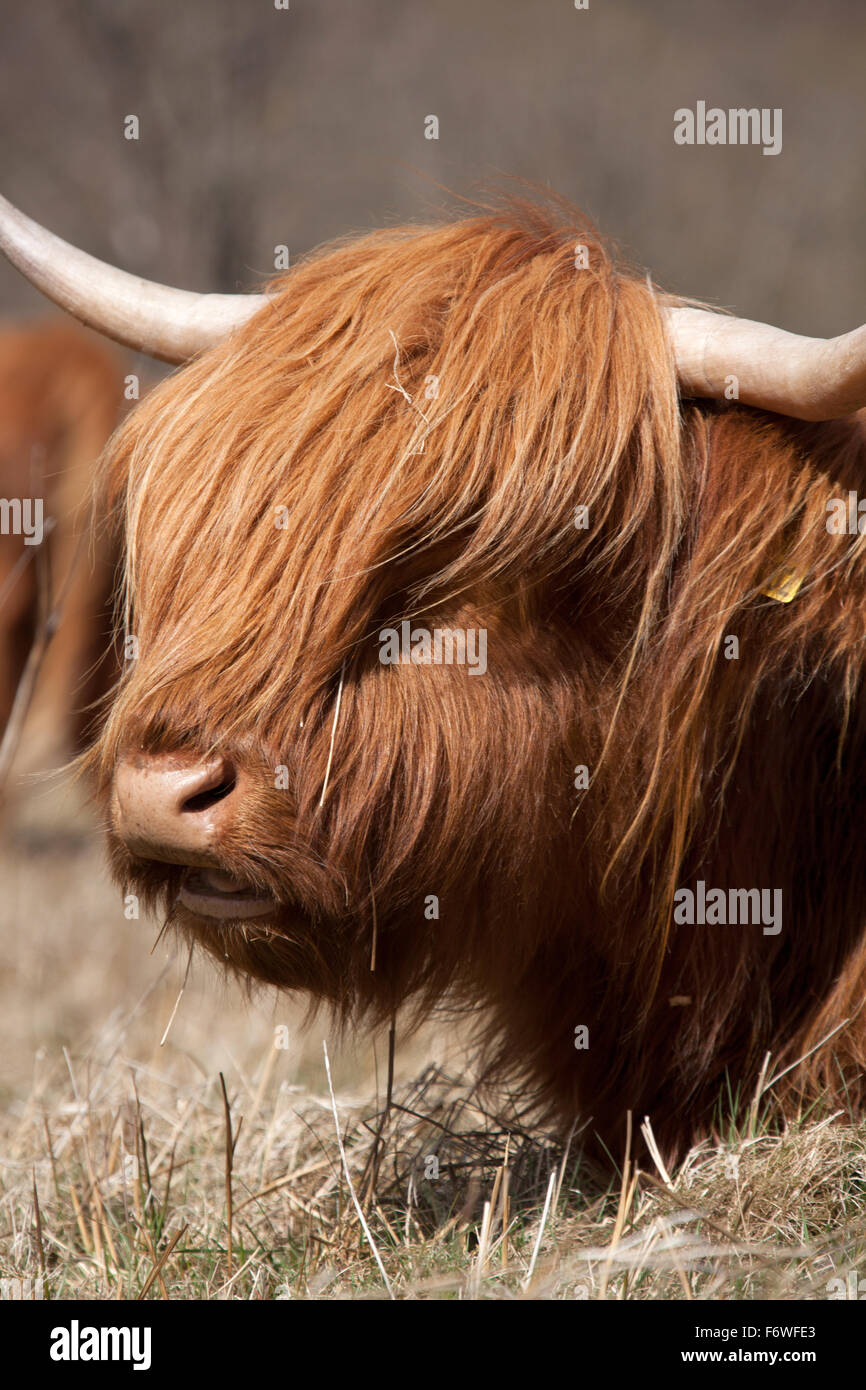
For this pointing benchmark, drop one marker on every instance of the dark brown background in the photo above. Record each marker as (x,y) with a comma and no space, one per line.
(261,126)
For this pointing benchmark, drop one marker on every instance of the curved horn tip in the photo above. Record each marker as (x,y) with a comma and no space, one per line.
(159,320)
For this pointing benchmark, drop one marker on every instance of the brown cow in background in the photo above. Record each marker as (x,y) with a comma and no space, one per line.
(60,398)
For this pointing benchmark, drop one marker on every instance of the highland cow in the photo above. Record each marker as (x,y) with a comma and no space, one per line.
(60,398)
(470,427)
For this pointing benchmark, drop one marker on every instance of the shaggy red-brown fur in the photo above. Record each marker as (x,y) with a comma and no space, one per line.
(60,398)
(606,647)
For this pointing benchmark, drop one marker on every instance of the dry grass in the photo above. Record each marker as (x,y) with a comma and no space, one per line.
(118,1178)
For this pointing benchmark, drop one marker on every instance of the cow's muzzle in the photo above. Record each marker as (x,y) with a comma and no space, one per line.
(175,808)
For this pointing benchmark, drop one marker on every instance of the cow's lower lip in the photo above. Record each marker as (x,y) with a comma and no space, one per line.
(211,894)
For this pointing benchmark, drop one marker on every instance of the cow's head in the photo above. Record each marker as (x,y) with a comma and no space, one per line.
(356,555)
(391,461)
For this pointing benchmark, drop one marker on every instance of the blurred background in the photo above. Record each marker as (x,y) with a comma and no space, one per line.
(261,127)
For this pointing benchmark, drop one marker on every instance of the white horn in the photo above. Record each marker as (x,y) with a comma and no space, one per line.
(808,378)
(166,323)
(716,355)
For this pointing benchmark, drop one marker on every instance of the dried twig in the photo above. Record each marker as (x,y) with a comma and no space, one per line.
(231,1144)
(158,1267)
(548,1199)
(361,1217)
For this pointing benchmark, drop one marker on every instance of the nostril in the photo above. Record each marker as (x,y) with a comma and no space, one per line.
(202,800)
(224,783)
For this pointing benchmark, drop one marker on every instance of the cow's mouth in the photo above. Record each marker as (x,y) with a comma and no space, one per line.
(210,893)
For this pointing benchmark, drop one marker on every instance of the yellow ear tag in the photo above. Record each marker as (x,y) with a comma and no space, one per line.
(785,586)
